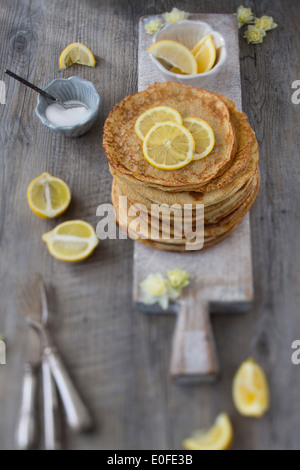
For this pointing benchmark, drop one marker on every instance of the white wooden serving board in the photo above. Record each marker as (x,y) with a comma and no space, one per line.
(221,275)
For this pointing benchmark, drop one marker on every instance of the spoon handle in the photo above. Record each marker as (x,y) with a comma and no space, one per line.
(30,85)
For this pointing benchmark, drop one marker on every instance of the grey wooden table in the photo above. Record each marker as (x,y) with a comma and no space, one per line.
(119,357)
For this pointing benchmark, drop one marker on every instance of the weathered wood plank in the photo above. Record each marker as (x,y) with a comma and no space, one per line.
(230,280)
(118,357)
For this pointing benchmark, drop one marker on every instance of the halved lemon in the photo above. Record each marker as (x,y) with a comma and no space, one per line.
(203,136)
(76,53)
(153,116)
(206,55)
(169,146)
(218,437)
(175,54)
(250,390)
(48,196)
(71,241)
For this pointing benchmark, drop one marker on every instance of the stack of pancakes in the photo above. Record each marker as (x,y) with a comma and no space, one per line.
(226,181)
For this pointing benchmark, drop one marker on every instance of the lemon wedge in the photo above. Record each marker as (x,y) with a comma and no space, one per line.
(206,55)
(175,54)
(153,116)
(203,136)
(71,241)
(199,44)
(168,146)
(76,53)
(48,196)
(218,437)
(177,70)
(250,390)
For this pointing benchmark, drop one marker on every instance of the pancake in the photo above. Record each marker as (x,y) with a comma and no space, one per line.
(182,249)
(244,144)
(211,231)
(123,148)
(159,196)
(226,182)
(212,213)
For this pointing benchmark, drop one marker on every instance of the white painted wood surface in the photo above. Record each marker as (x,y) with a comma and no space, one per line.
(221,275)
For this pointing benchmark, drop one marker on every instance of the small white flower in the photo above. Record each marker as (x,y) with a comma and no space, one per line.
(153,26)
(178,278)
(254,35)
(265,23)
(175,16)
(244,15)
(158,289)
(155,288)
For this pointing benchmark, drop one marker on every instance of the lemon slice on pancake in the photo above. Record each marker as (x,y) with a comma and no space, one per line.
(153,116)
(202,134)
(175,54)
(169,146)
(218,437)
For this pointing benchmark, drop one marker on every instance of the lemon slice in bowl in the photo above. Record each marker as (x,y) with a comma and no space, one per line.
(71,241)
(203,136)
(176,70)
(199,44)
(153,116)
(218,437)
(169,146)
(250,390)
(48,196)
(206,55)
(76,53)
(175,54)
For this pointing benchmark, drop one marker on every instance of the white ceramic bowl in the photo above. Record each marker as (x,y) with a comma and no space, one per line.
(189,33)
(66,89)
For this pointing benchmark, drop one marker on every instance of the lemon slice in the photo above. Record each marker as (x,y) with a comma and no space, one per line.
(176,70)
(250,390)
(218,437)
(71,241)
(175,54)
(76,53)
(199,44)
(168,146)
(48,197)
(203,136)
(206,55)
(153,116)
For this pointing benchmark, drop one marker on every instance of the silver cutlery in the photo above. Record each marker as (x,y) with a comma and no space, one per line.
(70,104)
(26,433)
(77,415)
(52,428)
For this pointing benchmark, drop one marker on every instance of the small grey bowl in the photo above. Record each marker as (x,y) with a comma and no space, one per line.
(67,89)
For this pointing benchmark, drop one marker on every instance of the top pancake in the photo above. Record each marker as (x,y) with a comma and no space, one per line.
(123,148)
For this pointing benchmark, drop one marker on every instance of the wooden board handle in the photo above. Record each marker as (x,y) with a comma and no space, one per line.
(193,352)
